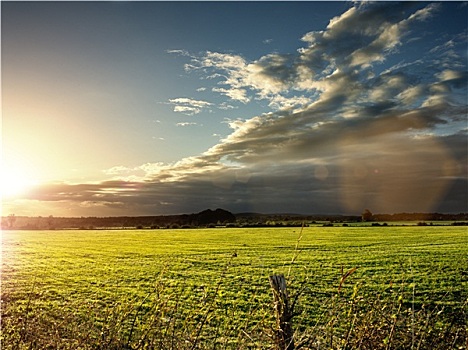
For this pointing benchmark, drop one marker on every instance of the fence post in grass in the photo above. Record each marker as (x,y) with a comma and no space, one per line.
(283,312)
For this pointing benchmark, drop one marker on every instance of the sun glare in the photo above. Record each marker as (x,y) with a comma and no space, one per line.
(14,181)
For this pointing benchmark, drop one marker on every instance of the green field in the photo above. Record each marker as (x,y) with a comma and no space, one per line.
(208,288)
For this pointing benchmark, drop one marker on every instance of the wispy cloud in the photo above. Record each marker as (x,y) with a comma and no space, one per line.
(178,52)
(187,124)
(189,106)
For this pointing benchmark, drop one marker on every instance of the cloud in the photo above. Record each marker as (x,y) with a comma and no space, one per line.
(186,124)
(189,106)
(190,101)
(117,170)
(234,94)
(361,37)
(346,113)
(342,176)
(345,130)
(412,94)
(389,38)
(178,52)
(368,174)
(226,106)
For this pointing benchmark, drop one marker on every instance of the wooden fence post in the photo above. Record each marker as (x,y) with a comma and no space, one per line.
(284,315)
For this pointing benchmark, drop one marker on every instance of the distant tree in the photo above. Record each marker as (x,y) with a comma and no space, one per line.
(367,215)
(11,220)
(50,222)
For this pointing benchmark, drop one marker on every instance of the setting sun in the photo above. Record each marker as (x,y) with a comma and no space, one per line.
(14,180)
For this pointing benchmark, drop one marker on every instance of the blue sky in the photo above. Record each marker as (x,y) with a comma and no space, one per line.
(147,108)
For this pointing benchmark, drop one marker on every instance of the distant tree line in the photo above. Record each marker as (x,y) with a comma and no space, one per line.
(202,219)
(214,218)
(368,216)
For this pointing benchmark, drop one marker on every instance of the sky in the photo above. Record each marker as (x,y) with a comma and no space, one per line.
(153,108)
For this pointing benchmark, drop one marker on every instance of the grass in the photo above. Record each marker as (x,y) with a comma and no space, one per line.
(200,289)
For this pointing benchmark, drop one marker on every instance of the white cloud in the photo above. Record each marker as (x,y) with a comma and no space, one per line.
(226,106)
(412,94)
(189,106)
(187,110)
(178,52)
(450,74)
(222,61)
(387,87)
(280,102)
(117,170)
(190,101)
(234,94)
(269,75)
(186,124)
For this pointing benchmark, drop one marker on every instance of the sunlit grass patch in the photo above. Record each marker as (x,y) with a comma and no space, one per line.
(180,289)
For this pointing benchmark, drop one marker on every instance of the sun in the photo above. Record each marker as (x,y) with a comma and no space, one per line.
(14,180)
